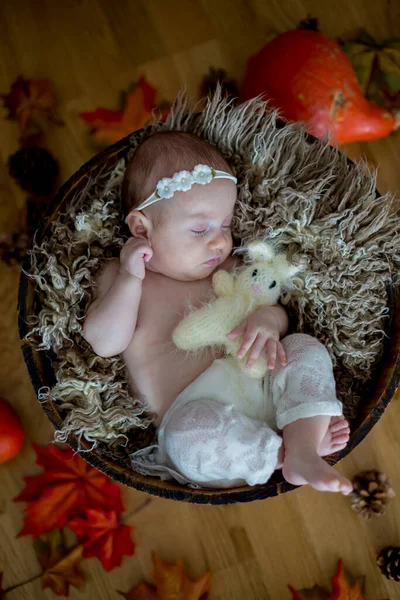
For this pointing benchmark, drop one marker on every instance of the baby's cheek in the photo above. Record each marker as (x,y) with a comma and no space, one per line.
(229,246)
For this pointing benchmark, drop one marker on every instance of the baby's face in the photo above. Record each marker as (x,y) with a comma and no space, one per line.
(196,235)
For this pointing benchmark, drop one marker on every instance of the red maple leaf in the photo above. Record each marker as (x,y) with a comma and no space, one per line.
(103,536)
(64,490)
(109,126)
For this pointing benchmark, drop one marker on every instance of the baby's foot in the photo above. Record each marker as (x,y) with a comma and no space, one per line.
(336,437)
(302,469)
(281,456)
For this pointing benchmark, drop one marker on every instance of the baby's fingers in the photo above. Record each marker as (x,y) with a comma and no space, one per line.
(281,354)
(239,330)
(147,254)
(274,349)
(256,350)
(248,340)
(271,352)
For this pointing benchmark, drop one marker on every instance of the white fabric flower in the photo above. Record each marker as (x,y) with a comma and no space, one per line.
(183,181)
(166,187)
(202,174)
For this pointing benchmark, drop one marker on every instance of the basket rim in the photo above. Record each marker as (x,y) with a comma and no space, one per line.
(119,473)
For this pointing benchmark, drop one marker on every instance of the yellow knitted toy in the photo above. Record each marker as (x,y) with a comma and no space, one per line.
(238,295)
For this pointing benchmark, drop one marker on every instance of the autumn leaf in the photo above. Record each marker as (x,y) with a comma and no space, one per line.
(109,126)
(103,536)
(144,591)
(377,66)
(171,583)
(60,565)
(315,593)
(342,590)
(31,102)
(64,490)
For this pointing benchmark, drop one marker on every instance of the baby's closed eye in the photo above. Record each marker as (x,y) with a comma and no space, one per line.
(204,231)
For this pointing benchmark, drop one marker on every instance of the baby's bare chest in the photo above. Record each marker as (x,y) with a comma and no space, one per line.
(164,303)
(159,371)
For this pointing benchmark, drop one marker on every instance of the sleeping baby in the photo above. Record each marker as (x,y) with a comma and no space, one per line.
(217,427)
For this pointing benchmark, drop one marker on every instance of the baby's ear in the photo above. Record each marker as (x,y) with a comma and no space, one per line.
(139,225)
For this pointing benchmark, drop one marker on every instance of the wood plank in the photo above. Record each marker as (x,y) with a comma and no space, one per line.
(92,50)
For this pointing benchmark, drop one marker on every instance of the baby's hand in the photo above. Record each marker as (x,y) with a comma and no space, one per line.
(260,330)
(133,256)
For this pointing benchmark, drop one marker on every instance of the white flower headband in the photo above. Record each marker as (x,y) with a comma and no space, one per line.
(182,181)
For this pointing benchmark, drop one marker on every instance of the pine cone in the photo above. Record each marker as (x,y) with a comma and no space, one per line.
(389,562)
(34,169)
(372,493)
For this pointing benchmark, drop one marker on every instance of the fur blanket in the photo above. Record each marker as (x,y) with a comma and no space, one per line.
(296,191)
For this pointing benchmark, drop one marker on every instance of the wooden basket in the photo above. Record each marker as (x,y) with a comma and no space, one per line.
(380,391)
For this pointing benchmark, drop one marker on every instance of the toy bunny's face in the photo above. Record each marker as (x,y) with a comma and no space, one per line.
(261,280)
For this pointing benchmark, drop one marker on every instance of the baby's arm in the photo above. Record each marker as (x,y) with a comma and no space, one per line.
(279,313)
(111,319)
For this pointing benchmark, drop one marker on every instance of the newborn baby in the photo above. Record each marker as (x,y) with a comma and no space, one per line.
(216,427)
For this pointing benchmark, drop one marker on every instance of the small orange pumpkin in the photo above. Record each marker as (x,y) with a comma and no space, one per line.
(310,78)
(11,432)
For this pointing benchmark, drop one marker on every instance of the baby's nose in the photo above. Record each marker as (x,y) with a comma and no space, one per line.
(218,241)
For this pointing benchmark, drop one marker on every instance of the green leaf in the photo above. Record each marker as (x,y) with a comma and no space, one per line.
(377,68)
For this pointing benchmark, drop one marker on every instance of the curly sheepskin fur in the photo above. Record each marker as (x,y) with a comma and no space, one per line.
(296,191)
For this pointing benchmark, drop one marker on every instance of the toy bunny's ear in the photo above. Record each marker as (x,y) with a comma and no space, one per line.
(286,269)
(293,269)
(259,250)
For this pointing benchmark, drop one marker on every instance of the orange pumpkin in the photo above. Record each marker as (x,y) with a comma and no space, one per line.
(310,78)
(11,432)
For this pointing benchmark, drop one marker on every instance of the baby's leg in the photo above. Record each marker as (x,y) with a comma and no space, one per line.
(304,395)
(216,446)
(302,464)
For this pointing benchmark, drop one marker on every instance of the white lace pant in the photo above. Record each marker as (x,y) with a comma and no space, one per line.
(222,430)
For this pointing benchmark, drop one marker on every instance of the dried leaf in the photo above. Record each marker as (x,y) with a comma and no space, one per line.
(60,565)
(143,591)
(377,67)
(64,490)
(31,102)
(171,583)
(342,590)
(315,593)
(103,536)
(109,126)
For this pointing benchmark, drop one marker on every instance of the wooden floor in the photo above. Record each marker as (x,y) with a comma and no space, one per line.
(92,50)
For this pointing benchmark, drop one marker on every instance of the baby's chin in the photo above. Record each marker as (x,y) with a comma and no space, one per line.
(202,272)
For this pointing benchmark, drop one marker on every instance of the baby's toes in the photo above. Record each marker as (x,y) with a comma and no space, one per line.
(338,447)
(346,488)
(335,420)
(343,424)
(340,438)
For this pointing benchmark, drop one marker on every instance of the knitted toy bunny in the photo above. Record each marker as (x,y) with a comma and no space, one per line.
(238,295)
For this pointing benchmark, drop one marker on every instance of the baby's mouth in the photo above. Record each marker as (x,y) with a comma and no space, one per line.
(213,261)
